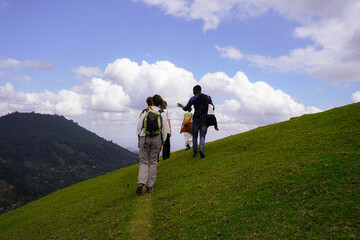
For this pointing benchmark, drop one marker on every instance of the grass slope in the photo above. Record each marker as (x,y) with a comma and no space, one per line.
(297,179)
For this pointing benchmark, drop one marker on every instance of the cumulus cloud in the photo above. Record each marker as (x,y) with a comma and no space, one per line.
(215,11)
(17,64)
(82,71)
(113,101)
(255,103)
(356,96)
(126,84)
(211,12)
(229,52)
(332,25)
(69,103)
(335,53)
(107,97)
(140,81)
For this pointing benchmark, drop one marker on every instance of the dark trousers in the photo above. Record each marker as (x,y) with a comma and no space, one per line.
(197,127)
(166,148)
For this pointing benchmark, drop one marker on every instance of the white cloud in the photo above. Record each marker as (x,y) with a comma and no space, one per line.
(87,71)
(107,97)
(211,12)
(140,81)
(69,103)
(17,64)
(214,11)
(179,8)
(111,104)
(332,25)
(229,52)
(252,103)
(335,54)
(356,96)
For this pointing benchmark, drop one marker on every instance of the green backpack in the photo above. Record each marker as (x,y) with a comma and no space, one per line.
(152,122)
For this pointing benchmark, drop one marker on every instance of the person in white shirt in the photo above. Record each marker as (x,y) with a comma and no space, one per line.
(149,148)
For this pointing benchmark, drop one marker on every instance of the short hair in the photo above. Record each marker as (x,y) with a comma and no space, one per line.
(157,100)
(149,101)
(197,88)
(163,105)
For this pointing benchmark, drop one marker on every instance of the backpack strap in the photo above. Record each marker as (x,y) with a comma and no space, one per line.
(145,110)
(142,112)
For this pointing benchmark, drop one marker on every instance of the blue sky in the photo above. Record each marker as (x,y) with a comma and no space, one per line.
(96,61)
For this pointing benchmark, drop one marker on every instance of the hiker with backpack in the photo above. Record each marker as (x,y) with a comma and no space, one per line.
(152,132)
(186,128)
(201,102)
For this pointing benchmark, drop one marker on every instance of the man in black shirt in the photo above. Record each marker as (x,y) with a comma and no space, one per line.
(201,102)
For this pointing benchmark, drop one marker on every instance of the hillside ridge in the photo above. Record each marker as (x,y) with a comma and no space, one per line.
(298,179)
(41,153)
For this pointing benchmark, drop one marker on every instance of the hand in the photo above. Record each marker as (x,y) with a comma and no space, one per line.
(180,105)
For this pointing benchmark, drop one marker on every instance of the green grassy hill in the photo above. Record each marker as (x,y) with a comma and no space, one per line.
(297,179)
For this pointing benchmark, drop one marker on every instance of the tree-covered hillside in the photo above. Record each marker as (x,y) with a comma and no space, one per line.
(43,153)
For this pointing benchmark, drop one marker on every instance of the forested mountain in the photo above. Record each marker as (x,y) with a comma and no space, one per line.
(40,154)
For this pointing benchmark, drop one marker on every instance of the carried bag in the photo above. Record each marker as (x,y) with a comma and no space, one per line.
(187,123)
(210,118)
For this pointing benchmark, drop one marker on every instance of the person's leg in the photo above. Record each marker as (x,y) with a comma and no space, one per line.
(195,129)
(154,150)
(203,131)
(166,148)
(144,151)
(188,140)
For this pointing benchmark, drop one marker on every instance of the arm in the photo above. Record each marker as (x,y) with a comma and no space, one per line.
(188,105)
(140,125)
(168,119)
(165,126)
(169,127)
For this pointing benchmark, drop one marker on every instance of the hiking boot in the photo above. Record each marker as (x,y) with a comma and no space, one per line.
(139,189)
(202,155)
(195,154)
(149,189)
(187,147)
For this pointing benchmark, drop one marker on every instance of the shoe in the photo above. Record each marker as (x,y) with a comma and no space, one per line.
(139,189)
(195,154)
(202,155)
(149,189)
(187,147)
